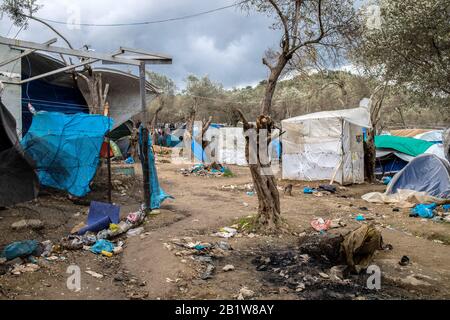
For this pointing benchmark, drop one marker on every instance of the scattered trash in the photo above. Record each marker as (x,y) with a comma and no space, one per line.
(423,210)
(100,216)
(226,232)
(94,274)
(102,245)
(29,267)
(250,193)
(213,170)
(360,217)
(135,232)
(337,223)
(20,249)
(446,207)
(228,267)
(320,224)
(386,180)
(307,190)
(327,187)
(404,261)
(208,273)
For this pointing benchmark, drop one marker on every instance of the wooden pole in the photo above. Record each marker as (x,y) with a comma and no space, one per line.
(108,140)
(144,155)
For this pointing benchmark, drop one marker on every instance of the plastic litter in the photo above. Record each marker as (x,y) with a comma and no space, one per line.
(423,210)
(386,180)
(360,217)
(102,245)
(226,232)
(100,216)
(320,224)
(135,232)
(307,190)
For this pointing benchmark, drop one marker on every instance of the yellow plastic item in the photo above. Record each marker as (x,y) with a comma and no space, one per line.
(106,253)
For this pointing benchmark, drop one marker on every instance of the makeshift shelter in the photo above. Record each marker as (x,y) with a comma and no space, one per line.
(394,152)
(426,173)
(325,146)
(66,149)
(229,145)
(18,181)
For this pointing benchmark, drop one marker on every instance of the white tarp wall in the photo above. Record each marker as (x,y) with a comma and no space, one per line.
(324,145)
(229,145)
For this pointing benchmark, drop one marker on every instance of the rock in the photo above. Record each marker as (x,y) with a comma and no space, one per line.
(245,293)
(118,250)
(208,273)
(228,267)
(412,280)
(34,224)
(324,275)
(2,261)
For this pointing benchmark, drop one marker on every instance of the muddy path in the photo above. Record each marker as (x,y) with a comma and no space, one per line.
(202,207)
(151,267)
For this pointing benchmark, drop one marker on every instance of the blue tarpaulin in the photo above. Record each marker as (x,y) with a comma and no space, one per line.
(157,195)
(66,149)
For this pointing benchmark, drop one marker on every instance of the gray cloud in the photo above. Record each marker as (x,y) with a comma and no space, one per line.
(227,45)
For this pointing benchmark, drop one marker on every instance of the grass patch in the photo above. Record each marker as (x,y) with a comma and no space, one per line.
(228,173)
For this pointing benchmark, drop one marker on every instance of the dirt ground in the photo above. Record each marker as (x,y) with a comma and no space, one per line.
(153,266)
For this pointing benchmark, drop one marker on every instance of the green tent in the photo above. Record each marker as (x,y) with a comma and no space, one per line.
(410,146)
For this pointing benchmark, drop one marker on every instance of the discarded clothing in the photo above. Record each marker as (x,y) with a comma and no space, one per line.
(18,180)
(66,149)
(360,245)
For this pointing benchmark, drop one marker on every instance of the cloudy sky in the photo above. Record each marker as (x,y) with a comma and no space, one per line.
(227,45)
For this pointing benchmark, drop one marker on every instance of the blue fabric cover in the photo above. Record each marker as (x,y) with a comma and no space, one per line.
(157,195)
(66,149)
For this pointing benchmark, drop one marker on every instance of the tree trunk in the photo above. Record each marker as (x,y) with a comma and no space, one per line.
(370,156)
(265,184)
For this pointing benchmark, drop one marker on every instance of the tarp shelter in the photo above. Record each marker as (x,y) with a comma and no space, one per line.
(229,145)
(325,145)
(409,146)
(426,173)
(66,149)
(18,180)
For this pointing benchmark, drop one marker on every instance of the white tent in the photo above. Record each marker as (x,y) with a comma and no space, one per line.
(228,145)
(326,145)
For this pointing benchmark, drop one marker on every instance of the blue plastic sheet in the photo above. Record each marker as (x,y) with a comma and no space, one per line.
(102,245)
(157,195)
(100,216)
(424,210)
(66,149)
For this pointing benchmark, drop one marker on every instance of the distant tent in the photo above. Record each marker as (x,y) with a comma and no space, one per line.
(409,146)
(427,173)
(325,145)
